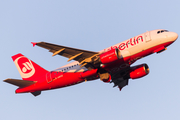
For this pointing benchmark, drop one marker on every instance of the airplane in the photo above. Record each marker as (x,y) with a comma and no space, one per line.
(111,65)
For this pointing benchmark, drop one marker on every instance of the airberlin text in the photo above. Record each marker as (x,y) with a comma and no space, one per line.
(131,42)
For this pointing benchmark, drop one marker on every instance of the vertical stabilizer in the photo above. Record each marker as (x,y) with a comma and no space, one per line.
(27,68)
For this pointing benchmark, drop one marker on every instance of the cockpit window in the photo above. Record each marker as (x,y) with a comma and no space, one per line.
(162,31)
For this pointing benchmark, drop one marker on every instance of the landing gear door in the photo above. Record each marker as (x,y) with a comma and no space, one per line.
(48,77)
(147,36)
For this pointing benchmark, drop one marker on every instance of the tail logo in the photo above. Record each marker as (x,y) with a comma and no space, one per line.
(25,67)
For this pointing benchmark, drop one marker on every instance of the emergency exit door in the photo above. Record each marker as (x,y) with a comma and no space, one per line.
(48,77)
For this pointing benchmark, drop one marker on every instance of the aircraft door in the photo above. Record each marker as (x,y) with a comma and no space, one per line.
(48,77)
(147,36)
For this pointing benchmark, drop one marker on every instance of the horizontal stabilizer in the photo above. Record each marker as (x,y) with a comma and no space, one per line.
(20,83)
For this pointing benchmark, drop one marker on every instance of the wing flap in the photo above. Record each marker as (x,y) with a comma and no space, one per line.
(19,83)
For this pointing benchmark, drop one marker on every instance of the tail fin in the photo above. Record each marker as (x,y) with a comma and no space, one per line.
(27,68)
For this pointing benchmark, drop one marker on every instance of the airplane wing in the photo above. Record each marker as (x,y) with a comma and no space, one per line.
(120,82)
(71,53)
(68,52)
(119,78)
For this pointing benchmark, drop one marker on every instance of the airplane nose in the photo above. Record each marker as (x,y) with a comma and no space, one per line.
(174,36)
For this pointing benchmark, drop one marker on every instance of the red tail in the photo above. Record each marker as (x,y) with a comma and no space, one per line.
(27,68)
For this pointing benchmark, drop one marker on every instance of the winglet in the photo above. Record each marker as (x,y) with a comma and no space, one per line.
(34,43)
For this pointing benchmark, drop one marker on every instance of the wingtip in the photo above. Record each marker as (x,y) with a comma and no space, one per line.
(5,80)
(120,88)
(34,43)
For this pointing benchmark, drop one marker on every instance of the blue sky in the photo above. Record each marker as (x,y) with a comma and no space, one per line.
(91,25)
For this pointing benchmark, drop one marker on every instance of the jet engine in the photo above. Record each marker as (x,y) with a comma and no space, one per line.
(105,77)
(103,58)
(110,56)
(138,71)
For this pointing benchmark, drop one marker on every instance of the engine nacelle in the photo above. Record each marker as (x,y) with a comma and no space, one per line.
(110,56)
(138,71)
(106,80)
